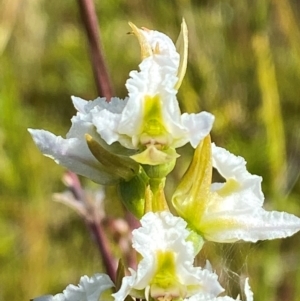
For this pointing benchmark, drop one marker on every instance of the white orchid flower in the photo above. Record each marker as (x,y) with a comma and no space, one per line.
(148,123)
(151,121)
(230,211)
(166,270)
(88,289)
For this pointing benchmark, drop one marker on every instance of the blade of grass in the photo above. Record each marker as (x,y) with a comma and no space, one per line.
(271,111)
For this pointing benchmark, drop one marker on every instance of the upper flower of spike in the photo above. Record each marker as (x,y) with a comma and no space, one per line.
(230,211)
(151,122)
(147,126)
(166,270)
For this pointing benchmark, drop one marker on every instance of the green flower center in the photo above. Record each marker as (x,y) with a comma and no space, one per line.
(153,130)
(165,284)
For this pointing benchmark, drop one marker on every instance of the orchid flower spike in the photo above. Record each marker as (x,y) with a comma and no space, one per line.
(230,211)
(166,270)
(146,126)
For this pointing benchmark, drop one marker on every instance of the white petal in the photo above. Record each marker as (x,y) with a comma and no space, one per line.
(160,231)
(208,282)
(213,297)
(71,153)
(234,167)
(250,225)
(162,42)
(88,289)
(196,126)
(88,113)
(107,124)
(128,283)
(208,297)
(152,80)
(79,104)
(84,107)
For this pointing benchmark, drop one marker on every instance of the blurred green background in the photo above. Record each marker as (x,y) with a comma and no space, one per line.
(244,67)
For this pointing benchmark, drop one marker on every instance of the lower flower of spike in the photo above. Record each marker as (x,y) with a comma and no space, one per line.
(146,126)
(166,271)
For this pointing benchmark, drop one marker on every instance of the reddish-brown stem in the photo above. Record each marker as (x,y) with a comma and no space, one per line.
(109,262)
(104,88)
(90,21)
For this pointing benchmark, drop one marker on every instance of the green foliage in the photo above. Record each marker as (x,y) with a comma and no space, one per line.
(243,66)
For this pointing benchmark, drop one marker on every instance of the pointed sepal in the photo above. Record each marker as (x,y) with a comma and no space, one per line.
(192,194)
(182,45)
(121,166)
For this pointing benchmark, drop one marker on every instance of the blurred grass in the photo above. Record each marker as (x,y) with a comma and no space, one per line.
(244,67)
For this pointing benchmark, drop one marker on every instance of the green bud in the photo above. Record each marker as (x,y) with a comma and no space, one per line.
(133,193)
(120,166)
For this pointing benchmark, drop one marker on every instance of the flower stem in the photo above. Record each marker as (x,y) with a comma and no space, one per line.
(103,246)
(89,18)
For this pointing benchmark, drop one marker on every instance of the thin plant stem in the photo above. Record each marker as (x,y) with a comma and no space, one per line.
(90,22)
(103,246)
(94,225)
(104,88)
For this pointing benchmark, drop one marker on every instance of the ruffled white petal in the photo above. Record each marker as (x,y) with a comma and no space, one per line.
(234,211)
(212,297)
(209,297)
(233,167)
(152,80)
(196,127)
(88,289)
(106,120)
(71,153)
(92,113)
(249,225)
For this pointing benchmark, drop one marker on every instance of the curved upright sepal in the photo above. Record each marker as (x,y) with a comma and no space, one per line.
(182,45)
